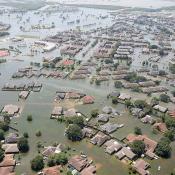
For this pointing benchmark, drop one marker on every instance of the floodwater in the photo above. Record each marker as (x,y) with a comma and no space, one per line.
(124,3)
(41,104)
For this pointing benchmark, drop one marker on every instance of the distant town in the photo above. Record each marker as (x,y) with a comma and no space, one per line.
(86,90)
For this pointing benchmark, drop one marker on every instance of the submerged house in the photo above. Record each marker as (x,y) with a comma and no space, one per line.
(148,119)
(107,109)
(11,110)
(55,170)
(57,111)
(137,112)
(160,127)
(24,94)
(103,117)
(10,148)
(112,146)
(77,162)
(89,170)
(48,151)
(149,143)
(12,138)
(88,99)
(123,97)
(87,132)
(109,127)
(8,164)
(141,167)
(99,139)
(159,110)
(125,152)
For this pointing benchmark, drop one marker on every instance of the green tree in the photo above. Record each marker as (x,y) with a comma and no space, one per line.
(1,134)
(61,159)
(37,163)
(170,134)
(79,120)
(170,123)
(138,147)
(74,132)
(163,148)
(140,104)
(23,145)
(164,98)
(114,100)
(26,135)
(137,131)
(94,113)
(1,154)
(51,161)
(29,118)
(118,84)
(38,133)
(173,93)
(128,103)
(4,126)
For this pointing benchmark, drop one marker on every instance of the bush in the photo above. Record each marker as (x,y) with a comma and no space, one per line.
(94,113)
(162,73)
(163,148)
(173,93)
(29,118)
(74,132)
(170,134)
(138,147)
(140,104)
(137,131)
(38,133)
(1,135)
(164,98)
(118,84)
(114,100)
(97,82)
(37,163)
(4,126)
(61,159)
(1,154)
(79,120)
(26,135)
(23,145)
(170,123)
(128,103)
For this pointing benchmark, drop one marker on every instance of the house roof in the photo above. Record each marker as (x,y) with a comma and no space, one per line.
(161,127)
(160,108)
(99,139)
(125,152)
(55,170)
(50,150)
(10,109)
(141,166)
(87,132)
(150,144)
(11,138)
(124,96)
(89,170)
(7,170)
(57,110)
(109,127)
(112,146)
(88,99)
(78,162)
(10,148)
(8,161)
